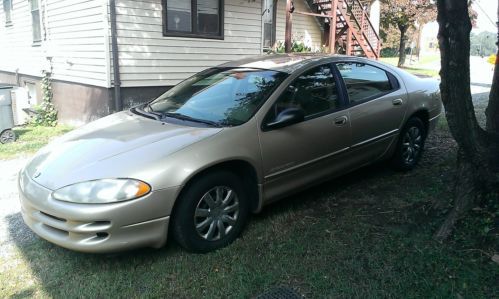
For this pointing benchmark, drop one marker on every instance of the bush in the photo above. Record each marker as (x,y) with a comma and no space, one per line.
(46,114)
(389,52)
(296,47)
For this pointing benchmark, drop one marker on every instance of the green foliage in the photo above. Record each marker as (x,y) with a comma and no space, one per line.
(296,47)
(483,44)
(389,52)
(46,114)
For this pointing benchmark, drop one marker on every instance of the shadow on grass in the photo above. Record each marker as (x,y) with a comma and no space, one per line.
(20,132)
(359,235)
(62,271)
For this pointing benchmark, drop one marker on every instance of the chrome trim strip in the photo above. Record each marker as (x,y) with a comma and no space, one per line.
(375,138)
(431,119)
(306,163)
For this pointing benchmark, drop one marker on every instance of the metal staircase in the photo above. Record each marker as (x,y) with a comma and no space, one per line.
(354,34)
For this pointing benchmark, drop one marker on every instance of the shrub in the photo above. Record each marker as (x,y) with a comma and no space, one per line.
(46,114)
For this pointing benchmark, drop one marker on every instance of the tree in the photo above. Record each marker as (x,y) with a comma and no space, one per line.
(477,176)
(483,44)
(403,14)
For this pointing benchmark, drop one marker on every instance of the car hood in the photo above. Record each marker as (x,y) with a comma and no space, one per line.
(80,154)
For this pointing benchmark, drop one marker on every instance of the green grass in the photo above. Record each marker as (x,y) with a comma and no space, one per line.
(30,139)
(415,69)
(364,235)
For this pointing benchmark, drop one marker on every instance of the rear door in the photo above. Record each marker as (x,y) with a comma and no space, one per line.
(377,106)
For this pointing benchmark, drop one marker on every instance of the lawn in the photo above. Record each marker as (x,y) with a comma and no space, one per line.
(364,235)
(30,139)
(417,69)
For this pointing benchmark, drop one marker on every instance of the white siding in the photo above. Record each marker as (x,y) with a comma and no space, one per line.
(304,28)
(147,58)
(73,33)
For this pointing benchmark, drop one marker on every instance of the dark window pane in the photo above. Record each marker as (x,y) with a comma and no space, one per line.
(7,7)
(267,35)
(35,21)
(179,15)
(314,92)
(268,16)
(208,17)
(363,81)
(34,5)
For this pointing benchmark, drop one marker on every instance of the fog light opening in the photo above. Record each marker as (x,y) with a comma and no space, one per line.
(102,235)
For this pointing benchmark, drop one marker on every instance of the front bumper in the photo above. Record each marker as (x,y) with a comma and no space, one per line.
(97,228)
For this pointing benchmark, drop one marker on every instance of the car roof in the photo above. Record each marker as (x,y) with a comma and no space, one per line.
(287,63)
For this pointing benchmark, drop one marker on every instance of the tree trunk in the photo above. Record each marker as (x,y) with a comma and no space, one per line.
(403,40)
(492,111)
(477,160)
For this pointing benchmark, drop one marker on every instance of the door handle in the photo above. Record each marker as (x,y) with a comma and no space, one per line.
(340,121)
(397,102)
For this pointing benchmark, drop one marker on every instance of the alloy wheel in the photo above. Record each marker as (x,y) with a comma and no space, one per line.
(216,213)
(412,145)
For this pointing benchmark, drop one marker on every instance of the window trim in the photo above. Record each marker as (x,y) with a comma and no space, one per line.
(273,33)
(193,33)
(392,79)
(8,23)
(343,104)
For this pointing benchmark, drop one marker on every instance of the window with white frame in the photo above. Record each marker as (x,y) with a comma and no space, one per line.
(7,8)
(35,21)
(194,18)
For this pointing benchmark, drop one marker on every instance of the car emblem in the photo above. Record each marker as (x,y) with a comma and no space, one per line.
(37,174)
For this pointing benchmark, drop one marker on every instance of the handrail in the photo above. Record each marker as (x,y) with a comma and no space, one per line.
(364,31)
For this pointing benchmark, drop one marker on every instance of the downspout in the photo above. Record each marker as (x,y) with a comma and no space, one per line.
(118,104)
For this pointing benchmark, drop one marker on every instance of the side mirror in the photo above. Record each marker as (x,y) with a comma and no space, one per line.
(287,117)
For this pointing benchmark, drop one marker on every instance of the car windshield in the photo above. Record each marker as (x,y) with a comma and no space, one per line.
(219,96)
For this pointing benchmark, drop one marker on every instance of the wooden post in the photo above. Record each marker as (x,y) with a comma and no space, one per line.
(287,35)
(332,26)
(349,41)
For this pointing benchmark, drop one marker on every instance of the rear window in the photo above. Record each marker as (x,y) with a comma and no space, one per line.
(363,81)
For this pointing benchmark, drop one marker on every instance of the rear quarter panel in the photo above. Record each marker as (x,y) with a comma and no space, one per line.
(423,95)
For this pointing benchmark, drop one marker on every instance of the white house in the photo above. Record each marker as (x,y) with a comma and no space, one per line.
(157,44)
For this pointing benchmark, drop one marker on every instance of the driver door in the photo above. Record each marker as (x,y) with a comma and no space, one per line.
(299,154)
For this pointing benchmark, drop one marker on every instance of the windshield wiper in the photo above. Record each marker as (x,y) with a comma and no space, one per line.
(140,111)
(189,118)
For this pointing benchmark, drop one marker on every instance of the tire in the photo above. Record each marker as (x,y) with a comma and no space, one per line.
(7,136)
(410,145)
(220,217)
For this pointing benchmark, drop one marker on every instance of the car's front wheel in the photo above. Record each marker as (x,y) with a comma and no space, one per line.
(410,145)
(211,212)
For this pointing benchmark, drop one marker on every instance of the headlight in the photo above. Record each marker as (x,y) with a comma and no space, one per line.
(102,191)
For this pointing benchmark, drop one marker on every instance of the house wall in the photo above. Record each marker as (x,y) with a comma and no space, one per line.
(304,28)
(73,35)
(147,58)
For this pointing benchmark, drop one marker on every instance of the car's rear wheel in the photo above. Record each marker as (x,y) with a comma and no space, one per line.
(211,212)
(410,145)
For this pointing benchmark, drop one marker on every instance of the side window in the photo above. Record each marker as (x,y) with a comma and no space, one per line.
(314,92)
(364,81)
